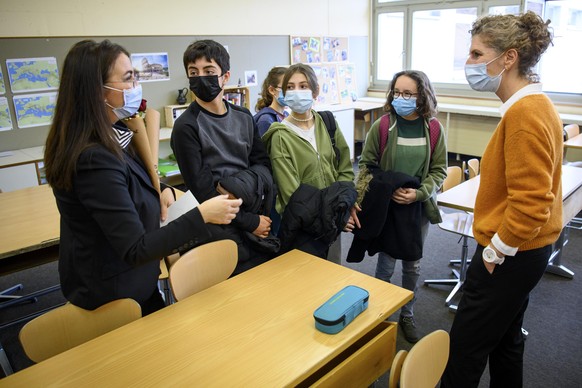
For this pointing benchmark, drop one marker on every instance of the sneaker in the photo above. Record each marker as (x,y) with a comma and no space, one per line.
(408,326)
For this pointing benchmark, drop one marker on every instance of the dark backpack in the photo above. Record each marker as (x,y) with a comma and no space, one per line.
(329,121)
(434,130)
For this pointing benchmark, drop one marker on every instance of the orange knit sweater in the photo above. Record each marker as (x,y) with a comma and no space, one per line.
(520,193)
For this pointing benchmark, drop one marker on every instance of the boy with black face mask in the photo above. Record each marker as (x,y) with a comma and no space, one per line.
(213,140)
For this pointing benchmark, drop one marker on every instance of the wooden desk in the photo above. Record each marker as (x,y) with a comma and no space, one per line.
(253,330)
(575,142)
(463,196)
(31,229)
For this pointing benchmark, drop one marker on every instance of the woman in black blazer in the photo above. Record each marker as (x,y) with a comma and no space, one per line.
(111,241)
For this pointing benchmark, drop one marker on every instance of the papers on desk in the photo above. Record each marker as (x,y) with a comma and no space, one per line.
(183,205)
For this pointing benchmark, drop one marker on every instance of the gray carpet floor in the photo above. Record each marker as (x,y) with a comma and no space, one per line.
(553,348)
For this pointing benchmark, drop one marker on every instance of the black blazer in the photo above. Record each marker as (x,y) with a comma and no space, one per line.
(111,241)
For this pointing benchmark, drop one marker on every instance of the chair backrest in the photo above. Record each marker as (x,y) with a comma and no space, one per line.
(473,167)
(202,267)
(570,131)
(68,326)
(396,369)
(454,177)
(426,361)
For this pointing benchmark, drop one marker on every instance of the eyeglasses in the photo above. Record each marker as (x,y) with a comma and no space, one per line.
(405,95)
(133,82)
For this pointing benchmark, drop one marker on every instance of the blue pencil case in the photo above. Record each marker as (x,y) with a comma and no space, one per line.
(335,314)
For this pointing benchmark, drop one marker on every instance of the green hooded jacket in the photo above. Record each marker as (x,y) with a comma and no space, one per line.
(295,161)
(434,172)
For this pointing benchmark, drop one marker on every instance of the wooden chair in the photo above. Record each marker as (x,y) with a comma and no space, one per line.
(570,131)
(454,177)
(68,326)
(460,223)
(202,267)
(424,365)
(473,167)
(164,278)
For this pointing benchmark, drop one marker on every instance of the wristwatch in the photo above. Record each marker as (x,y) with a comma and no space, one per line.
(490,256)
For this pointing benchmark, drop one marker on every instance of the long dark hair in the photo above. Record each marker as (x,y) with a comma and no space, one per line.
(426,102)
(80,118)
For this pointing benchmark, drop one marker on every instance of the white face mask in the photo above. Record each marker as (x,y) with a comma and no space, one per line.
(131,102)
(478,78)
(299,101)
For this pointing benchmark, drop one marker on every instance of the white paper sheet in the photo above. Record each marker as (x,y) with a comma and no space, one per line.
(184,204)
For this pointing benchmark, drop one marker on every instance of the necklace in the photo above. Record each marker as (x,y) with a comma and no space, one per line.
(302,120)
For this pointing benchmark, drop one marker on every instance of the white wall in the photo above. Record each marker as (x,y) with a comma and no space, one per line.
(51,18)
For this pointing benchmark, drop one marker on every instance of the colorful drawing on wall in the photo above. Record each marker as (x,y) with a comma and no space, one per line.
(251,78)
(5,122)
(33,74)
(335,49)
(305,49)
(34,110)
(328,82)
(347,82)
(151,67)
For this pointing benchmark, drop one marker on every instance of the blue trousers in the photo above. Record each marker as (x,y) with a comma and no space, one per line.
(489,319)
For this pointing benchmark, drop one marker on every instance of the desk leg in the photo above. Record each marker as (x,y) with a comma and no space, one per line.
(4,363)
(460,275)
(554,264)
(30,297)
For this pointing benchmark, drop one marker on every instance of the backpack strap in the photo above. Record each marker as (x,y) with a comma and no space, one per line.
(329,121)
(434,130)
(384,126)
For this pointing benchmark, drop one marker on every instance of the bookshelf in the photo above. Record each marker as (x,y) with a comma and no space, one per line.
(237,95)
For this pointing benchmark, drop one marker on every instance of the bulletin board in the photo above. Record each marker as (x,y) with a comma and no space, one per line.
(305,49)
(348,90)
(327,77)
(334,49)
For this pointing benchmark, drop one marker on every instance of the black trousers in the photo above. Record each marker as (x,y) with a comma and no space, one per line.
(489,319)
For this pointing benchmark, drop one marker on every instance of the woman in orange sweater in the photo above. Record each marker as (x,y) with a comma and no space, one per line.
(518,210)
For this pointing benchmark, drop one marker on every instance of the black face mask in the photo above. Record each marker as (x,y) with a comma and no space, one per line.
(205,87)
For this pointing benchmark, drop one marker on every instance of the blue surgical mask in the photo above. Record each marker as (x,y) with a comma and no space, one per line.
(300,101)
(131,102)
(404,107)
(281,99)
(478,78)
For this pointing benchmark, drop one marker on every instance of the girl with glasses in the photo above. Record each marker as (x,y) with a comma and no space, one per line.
(412,148)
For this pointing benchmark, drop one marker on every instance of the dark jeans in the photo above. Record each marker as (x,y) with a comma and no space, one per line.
(489,319)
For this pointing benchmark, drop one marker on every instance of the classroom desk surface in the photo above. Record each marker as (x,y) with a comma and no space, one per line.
(463,196)
(575,142)
(31,221)
(253,330)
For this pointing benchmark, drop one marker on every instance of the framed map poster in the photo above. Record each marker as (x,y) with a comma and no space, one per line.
(34,110)
(5,122)
(33,74)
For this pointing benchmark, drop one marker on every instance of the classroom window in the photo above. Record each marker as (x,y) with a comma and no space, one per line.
(566,17)
(434,37)
(443,62)
(390,44)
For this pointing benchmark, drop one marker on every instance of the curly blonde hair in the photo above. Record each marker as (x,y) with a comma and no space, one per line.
(527,33)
